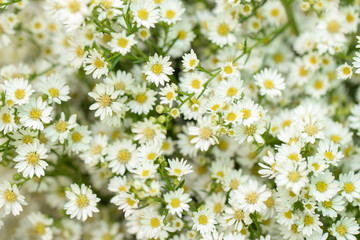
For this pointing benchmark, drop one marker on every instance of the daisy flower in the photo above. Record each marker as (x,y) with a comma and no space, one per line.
(81,202)
(204,220)
(177,201)
(7,120)
(221,29)
(228,70)
(122,43)
(144,100)
(309,223)
(178,168)
(345,229)
(230,90)
(235,217)
(121,80)
(323,187)
(349,185)
(41,226)
(311,128)
(250,133)
(147,131)
(271,82)
(145,13)
(126,202)
(145,169)
(190,61)
(35,114)
(153,225)
(171,11)
(250,197)
(157,69)
(344,71)
(268,168)
(18,91)
(118,184)
(79,139)
(332,206)
(95,64)
(193,82)
(121,156)
(329,151)
(55,88)
(168,95)
(30,159)
(61,129)
(105,98)
(11,199)
(205,134)
(291,175)
(249,110)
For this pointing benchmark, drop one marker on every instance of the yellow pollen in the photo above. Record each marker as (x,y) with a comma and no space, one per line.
(335,138)
(239,215)
(154,222)
(288,214)
(318,84)
(246,113)
(141,98)
(316,166)
(181,34)
(234,183)
(228,70)
(149,133)
(177,171)
(302,71)
(96,150)
(203,220)
(82,201)
(286,123)
(123,156)
(74,6)
(80,52)
(122,42)
(321,186)
(311,130)
(104,101)
(333,26)
(53,92)
(274,12)
(329,155)
(349,187)
(76,137)
(223,29)
(145,173)
(175,202)
(19,94)
(32,158)
(130,202)
(151,156)
(268,84)
(223,145)
(341,230)
(294,176)
(250,130)
(231,117)
(308,220)
(252,197)
(106,4)
(156,68)
(9,196)
(99,63)
(313,60)
(293,157)
(217,208)
(170,14)
(350,17)
(169,95)
(61,126)
(205,133)
(40,228)
(215,107)
(270,202)
(196,84)
(6,118)
(346,70)
(143,14)
(231,91)
(278,58)
(122,189)
(192,62)
(327,204)
(220,174)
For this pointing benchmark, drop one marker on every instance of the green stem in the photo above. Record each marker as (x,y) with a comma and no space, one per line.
(292,22)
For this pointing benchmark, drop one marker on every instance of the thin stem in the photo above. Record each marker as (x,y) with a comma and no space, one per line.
(292,22)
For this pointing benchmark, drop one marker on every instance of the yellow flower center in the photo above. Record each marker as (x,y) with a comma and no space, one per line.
(170,14)
(61,126)
(270,202)
(74,6)
(308,220)
(335,138)
(104,101)
(327,204)
(231,91)
(231,117)
(19,94)
(154,222)
(203,220)
(239,215)
(122,42)
(350,17)
(143,14)
(32,158)
(149,133)
(268,84)
(195,83)
(99,63)
(192,62)
(145,173)
(234,183)
(76,137)
(205,133)
(311,130)
(274,12)
(251,197)
(288,214)
(151,156)
(278,58)
(96,150)
(82,201)
(40,228)
(228,69)
(106,4)
(35,114)
(246,113)
(346,70)
(341,230)
(318,84)
(156,68)
(321,186)
(250,130)
(6,118)
(223,29)
(293,157)
(130,202)
(349,187)
(54,92)
(141,98)
(329,155)
(302,71)
(175,202)
(9,196)
(169,95)
(123,156)
(181,34)
(316,166)
(177,171)
(333,26)
(294,176)
(80,52)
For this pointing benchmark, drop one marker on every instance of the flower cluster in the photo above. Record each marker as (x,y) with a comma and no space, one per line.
(171,119)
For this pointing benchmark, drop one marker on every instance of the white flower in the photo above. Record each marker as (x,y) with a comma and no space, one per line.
(18,91)
(145,13)
(204,220)
(121,156)
(148,132)
(60,129)
(350,185)
(230,90)
(323,187)
(153,225)
(271,82)
(190,61)
(344,71)
(11,199)
(329,151)
(105,98)
(7,120)
(81,202)
(30,159)
(144,100)
(54,87)
(178,168)
(122,43)
(309,223)
(345,229)
(145,169)
(171,11)
(250,133)
(205,134)
(41,225)
(157,69)
(96,64)
(35,114)
(291,175)
(250,197)
(79,139)
(126,202)
(177,201)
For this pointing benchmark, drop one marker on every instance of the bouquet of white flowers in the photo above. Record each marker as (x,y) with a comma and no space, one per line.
(180,120)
